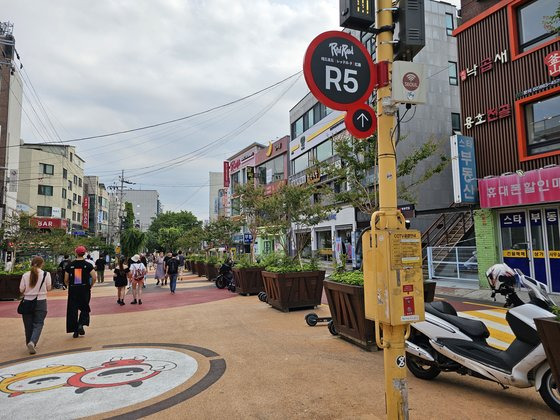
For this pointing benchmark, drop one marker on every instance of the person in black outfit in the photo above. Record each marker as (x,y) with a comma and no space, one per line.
(59,280)
(100,269)
(165,259)
(120,277)
(79,278)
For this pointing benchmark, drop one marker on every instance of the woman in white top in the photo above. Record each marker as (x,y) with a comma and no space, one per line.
(34,284)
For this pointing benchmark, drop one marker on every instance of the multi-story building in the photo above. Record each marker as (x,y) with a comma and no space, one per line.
(11,91)
(215,187)
(146,206)
(239,169)
(98,206)
(313,127)
(51,184)
(510,102)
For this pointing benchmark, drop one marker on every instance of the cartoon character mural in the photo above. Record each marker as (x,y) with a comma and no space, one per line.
(118,372)
(38,380)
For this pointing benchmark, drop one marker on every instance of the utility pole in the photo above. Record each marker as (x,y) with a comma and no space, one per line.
(123,181)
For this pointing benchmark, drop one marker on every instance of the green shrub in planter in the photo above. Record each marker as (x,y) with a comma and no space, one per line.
(244,261)
(355,278)
(212,259)
(279,263)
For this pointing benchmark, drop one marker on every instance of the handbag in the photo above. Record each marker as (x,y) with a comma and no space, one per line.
(26,307)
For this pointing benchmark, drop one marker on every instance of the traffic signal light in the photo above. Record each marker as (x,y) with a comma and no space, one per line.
(357,14)
(411,29)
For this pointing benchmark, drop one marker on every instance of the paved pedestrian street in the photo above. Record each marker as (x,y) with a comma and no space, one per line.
(205,353)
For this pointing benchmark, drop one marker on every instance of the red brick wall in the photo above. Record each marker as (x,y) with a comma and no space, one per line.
(472,8)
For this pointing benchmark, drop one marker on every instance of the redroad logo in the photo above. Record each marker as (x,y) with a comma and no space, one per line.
(341,50)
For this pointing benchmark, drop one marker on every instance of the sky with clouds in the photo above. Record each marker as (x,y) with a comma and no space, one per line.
(111,65)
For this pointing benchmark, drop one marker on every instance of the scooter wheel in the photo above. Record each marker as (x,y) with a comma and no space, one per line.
(220,282)
(550,391)
(421,370)
(331,328)
(311,319)
(263,297)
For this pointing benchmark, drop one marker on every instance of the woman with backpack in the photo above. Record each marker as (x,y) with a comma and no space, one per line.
(34,285)
(120,277)
(137,274)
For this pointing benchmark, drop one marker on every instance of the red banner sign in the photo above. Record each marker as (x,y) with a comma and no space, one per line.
(538,186)
(85,212)
(552,61)
(226,174)
(48,223)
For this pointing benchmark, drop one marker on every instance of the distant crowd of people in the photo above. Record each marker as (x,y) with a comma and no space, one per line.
(79,275)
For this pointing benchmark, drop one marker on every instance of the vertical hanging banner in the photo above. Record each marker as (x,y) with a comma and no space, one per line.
(463,166)
(340,73)
(85,212)
(226,174)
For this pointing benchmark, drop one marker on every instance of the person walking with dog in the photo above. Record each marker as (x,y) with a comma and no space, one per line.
(79,278)
(137,274)
(34,285)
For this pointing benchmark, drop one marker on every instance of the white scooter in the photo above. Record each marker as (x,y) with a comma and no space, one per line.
(449,343)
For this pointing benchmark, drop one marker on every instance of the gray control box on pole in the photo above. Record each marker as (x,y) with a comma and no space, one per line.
(411,29)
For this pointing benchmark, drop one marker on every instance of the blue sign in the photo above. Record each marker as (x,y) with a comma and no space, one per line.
(465,187)
(516,219)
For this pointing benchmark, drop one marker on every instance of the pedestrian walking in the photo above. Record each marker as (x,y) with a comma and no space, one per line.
(59,278)
(172,271)
(120,277)
(145,262)
(181,259)
(137,274)
(160,268)
(90,260)
(165,260)
(34,285)
(79,278)
(100,269)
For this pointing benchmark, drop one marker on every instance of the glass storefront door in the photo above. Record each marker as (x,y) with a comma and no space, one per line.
(537,251)
(553,241)
(515,245)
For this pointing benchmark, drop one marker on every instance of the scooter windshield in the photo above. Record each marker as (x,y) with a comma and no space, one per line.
(537,290)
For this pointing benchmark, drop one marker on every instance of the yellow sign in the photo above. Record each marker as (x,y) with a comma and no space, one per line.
(406,249)
(269,150)
(538,254)
(515,253)
(117,249)
(553,254)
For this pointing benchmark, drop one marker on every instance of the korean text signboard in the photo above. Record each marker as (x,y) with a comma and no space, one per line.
(464,169)
(340,73)
(538,186)
(85,212)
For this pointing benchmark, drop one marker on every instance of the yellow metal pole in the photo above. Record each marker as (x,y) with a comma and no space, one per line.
(396,393)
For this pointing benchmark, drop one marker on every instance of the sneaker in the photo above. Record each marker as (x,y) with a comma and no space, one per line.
(134,302)
(75,335)
(121,303)
(31,347)
(140,302)
(81,330)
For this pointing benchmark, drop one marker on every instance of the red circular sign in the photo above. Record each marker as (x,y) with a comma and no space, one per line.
(411,81)
(338,70)
(361,121)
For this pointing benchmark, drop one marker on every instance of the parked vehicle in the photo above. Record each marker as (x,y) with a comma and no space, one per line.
(449,343)
(225,277)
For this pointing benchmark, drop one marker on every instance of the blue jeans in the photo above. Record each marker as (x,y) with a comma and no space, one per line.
(172,281)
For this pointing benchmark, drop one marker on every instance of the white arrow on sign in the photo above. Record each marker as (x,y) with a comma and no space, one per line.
(363,118)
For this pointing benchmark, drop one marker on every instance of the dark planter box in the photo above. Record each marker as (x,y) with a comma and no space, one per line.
(193,267)
(346,303)
(248,281)
(200,268)
(429,290)
(188,265)
(9,286)
(549,333)
(287,291)
(211,271)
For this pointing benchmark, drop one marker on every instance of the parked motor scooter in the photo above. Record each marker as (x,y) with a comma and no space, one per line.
(449,343)
(225,277)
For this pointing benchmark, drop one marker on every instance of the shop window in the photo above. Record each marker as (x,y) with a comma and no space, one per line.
(324,150)
(45,190)
(542,125)
(453,73)
(300,163)
(297,128)
(455,122)
(531,30)
(46,169)
(44,211)
(449,23)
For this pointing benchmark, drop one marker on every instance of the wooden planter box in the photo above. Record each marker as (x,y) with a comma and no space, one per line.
(287,291)
(189,265)
(193,267)
(346,303)
(200,268)
(211,271)
(9,286)
(248,281)
(549,333)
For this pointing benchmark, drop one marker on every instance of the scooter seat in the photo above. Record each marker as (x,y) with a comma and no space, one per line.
(471,327)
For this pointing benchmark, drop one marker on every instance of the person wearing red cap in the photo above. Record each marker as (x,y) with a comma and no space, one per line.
(79,277)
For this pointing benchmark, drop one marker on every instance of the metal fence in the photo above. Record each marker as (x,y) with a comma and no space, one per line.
(453,263)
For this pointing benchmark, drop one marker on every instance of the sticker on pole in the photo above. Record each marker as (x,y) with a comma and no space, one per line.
(338,70)
(361,121)
(401,361)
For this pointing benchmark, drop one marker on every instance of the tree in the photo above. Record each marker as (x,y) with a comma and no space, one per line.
(128,222)
(183,220)
(132,241)
(190,240)
(252,205)
(290,209)
(168,238)
(552,23)
(220,232)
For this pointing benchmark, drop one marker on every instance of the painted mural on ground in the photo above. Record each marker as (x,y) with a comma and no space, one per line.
(81,384)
